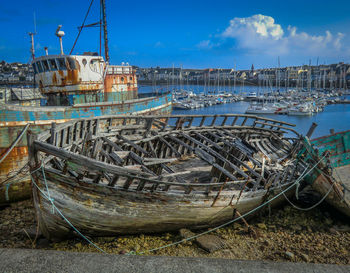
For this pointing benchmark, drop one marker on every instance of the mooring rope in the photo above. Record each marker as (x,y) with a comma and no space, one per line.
(178,242)
(315,205)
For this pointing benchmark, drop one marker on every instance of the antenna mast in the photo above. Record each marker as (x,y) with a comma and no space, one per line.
(103,3)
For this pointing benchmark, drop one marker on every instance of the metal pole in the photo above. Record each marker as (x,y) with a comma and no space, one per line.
(103,3)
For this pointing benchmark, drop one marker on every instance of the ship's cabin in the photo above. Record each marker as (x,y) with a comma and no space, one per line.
(77,79)
(69,73)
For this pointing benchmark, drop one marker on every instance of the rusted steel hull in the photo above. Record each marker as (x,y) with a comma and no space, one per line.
(16,160)
(13,121)
(154,174)
(101,211)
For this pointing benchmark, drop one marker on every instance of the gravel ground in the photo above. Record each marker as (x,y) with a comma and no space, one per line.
(287,234)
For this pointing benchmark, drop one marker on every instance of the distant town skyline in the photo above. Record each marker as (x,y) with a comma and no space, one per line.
(194,34)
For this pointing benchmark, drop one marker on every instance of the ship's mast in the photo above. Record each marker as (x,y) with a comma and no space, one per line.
(32,50)
(103,4)
(31,34)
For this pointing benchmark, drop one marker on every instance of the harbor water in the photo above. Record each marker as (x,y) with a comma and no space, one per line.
(334,116)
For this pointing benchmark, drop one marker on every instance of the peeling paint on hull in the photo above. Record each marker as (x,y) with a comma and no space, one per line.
(13,121)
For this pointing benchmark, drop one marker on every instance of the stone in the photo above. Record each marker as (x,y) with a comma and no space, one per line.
(290,255)
(42,243)
(32,232)
(185,233)
(265,243)
(305,257)
(237,226)
(328,221)
(78,245)
(261,226)
(137,248)
(342,228)
(211,243)
(208,242)
(333,230)
(297,227)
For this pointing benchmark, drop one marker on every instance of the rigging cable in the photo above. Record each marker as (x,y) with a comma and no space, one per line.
(81,28)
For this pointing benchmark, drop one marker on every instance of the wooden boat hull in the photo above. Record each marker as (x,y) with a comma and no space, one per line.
(99,211)
(154,174)
(331,177)
(11,191)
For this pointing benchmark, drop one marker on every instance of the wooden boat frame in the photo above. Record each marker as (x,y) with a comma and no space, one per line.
(82,166)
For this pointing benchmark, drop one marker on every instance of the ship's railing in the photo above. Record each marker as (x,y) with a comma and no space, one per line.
(119,70)
(67,143)
(152,94)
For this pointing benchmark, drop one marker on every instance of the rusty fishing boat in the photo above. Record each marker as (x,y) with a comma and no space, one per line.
(70,87)
(331,176)
(132,174)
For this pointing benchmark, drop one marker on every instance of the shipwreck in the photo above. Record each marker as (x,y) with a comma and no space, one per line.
(131,174)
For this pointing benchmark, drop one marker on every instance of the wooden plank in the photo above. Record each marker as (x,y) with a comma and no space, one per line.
(114,181)
(202,121)
(128,183)
(131,143)
(244,121)
(85,144)
(70,135)
(153,161)
(53,133)
(97,146)
(224,121)
(217,155)
(108,158)
(97,126)
(116,158)
(177,154)
(214,144)
(234,121)
(250,157)
(139,160)
(278,126)
(87,163)
(63,137)
(209,159)
(213,120)
(113,144)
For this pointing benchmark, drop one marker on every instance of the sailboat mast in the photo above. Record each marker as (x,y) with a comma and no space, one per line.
(103,4)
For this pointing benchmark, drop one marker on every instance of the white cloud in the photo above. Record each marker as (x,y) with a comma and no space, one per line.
(260,34)
(261,25)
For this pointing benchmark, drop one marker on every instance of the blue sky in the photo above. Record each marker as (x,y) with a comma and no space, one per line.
(195,34)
